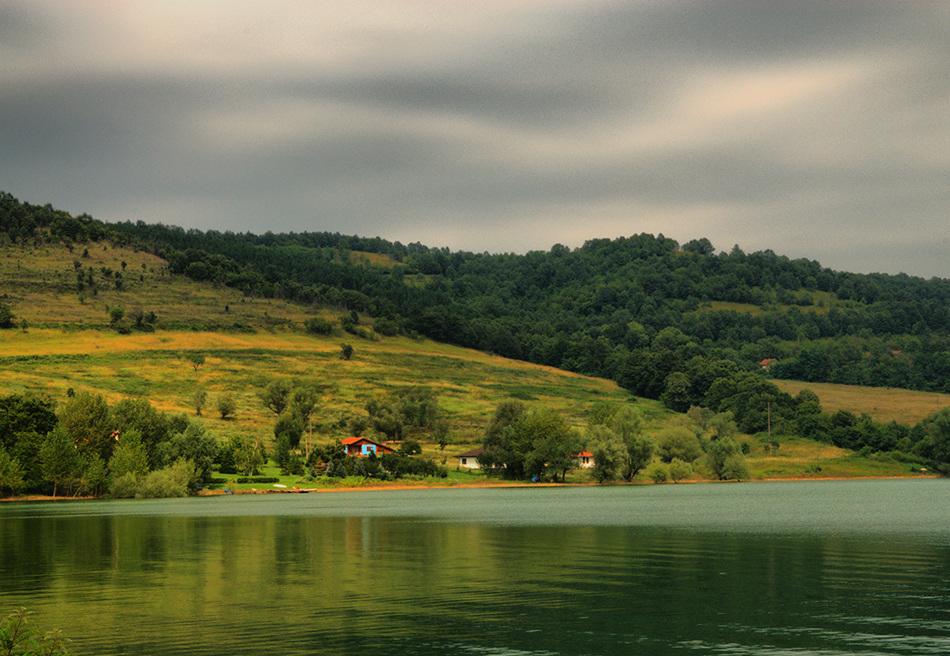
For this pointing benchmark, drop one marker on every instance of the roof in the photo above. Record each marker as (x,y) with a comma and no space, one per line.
(471,454)
(584,454)
(360,440)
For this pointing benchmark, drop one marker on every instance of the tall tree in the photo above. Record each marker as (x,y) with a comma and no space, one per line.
(498,449)
(59,459)
(87,421)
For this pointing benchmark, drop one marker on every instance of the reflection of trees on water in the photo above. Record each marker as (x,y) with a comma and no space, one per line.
(338,584)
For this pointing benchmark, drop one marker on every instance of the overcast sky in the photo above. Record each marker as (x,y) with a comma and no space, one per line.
(815,129)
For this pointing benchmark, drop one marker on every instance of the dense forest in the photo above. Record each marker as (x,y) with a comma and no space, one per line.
(682,323)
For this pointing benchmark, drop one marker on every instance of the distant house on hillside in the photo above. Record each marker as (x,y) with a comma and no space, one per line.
(585,459)
(469,459)
(360,447)
(767,363)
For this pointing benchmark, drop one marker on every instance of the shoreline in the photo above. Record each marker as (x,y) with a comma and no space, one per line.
(389,487)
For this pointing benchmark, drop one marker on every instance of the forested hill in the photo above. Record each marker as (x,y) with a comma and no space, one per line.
(665,320)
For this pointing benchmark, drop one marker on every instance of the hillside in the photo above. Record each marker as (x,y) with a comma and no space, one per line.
(597,310)
(70,345)
(121,310)
(70,341)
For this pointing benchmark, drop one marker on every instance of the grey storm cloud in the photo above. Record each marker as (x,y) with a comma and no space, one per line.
(815,129)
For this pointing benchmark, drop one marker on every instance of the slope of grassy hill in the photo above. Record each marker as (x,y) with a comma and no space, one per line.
(69,342)
(51,285)
(882,404)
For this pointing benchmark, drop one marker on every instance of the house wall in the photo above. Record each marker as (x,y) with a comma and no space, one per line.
(469,462)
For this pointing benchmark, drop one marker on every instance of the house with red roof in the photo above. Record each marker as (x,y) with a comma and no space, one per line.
(361,447)
(584,459)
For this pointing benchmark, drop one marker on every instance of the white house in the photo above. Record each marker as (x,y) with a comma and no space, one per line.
(469,459)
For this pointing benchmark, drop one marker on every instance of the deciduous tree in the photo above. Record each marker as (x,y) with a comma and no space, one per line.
(59,459)
(88,423)
(276,395)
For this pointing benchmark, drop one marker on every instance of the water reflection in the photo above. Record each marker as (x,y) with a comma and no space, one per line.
(430,579)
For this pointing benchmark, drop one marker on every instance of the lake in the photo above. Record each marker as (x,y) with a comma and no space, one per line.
(778,569)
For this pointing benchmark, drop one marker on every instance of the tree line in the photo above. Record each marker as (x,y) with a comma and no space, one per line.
(87,447)
(537,445)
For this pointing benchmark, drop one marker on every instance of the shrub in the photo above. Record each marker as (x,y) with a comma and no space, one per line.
(125,486)
(19,636)
(199,399)
(410,447)
(174,481)
(735,468)
(319,326)
(6,316)
(386,327)
(680,470)
(658,472)
(226,405)
(678,442)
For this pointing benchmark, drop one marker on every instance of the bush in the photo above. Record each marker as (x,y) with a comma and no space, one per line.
(680,470)
(18,636)
(174,481)
(7,318)
(658,472)
(125,486)
(735,468)
(258,479)
(399,465)
(319,326)
(226,405)
(678,442)
(410,447)
(386,327)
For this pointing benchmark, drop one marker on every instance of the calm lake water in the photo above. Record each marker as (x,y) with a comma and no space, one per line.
(790,569)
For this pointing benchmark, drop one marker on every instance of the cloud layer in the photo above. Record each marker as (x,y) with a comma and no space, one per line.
(817,130)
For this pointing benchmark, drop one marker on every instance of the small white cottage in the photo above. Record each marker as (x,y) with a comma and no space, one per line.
(469,459)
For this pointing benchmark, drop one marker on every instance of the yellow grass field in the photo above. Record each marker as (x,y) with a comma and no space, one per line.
(155,365)
(882,404)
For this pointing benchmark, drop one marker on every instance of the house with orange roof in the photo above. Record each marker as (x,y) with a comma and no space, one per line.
(585,459)
(362,447)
